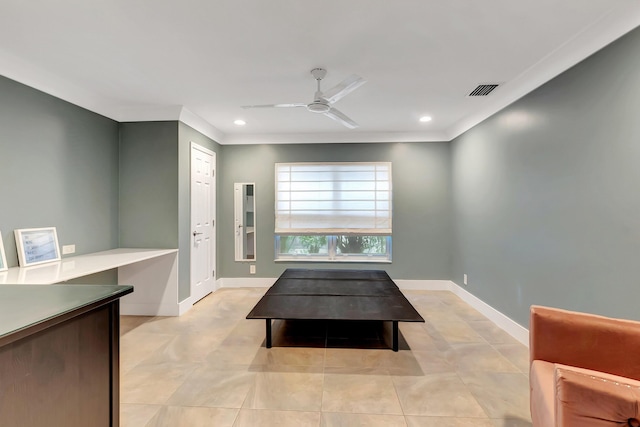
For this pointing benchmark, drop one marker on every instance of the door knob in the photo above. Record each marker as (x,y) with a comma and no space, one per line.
(195,233)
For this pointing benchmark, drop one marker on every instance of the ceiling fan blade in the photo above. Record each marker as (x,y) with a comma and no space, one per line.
(341,118)
(274,106)
(347,86)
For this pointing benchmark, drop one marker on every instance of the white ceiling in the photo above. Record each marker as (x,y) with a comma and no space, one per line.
(199,60)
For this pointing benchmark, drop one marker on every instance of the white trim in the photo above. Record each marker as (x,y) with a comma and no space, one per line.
(424,285)
(596,36)
(517,331)
(201,148)
(333,137)
(148,113)
(30,74)
(185,305)
(246,282)
(361,259)
(201,125)
(611,26)
(511,327)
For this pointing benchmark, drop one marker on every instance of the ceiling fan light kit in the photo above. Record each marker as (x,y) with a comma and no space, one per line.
(323,101)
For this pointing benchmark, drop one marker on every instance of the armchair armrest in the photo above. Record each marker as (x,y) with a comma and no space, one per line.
(585,340)
(590,399)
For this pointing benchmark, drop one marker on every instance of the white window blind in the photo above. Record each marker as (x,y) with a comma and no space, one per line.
(333,198)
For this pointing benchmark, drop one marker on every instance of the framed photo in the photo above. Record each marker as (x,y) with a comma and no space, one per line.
(3,259)
(37,245)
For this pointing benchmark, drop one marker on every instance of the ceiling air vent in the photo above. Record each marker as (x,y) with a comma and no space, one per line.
(483,90)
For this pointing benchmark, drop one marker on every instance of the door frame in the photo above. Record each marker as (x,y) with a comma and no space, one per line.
(213,207)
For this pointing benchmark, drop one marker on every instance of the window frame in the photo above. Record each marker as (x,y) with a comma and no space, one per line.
(332,255)
(382,184)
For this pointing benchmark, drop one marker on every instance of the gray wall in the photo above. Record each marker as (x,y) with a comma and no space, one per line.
(155,189)
(421,204)
(149,185)
(186,135)
(58,167)
(545,193)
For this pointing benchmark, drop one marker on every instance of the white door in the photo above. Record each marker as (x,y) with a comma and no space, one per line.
(203,231)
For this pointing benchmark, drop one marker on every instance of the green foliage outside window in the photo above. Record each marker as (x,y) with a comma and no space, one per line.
(362,244)
(345,245)
(302,244)
(313,243)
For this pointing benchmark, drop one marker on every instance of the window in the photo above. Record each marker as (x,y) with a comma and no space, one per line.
(333,211)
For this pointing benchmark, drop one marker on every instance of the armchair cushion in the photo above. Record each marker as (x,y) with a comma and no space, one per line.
(588,398)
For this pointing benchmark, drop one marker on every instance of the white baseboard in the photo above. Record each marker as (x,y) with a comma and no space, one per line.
(245,282)
(424,285)
(511,327)
(185,305)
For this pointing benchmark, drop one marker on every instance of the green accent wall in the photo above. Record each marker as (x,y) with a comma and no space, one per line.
(58,168)
(546,205)
(149,185)
(421,204)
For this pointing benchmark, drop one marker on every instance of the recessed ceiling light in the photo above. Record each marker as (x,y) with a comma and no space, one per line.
(240,122)
(425,119)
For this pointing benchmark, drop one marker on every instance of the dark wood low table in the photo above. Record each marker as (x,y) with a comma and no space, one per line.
(301,294)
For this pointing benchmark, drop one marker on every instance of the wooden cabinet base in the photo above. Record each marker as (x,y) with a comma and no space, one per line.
(65,374)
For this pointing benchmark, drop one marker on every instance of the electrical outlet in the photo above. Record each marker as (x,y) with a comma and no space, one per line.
(252,269)
(68,249)
(464,279)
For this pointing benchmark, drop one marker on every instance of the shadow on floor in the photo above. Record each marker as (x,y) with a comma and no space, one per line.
(373,337)
(334,334)
(516,422)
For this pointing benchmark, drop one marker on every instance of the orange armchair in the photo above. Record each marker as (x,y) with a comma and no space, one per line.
(584,369)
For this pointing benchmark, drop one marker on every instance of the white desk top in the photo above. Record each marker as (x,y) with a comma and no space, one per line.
(78,266)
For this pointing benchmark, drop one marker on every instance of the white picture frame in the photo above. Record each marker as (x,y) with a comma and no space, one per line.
(3,258)
(37,246)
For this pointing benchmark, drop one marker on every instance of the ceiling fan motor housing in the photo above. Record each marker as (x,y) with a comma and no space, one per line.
(318,107)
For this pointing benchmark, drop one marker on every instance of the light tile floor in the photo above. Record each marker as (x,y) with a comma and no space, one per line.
(209,367)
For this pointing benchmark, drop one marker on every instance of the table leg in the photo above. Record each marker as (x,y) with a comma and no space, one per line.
(395,335)
(268,333)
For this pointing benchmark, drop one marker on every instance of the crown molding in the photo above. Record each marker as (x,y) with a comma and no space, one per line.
(619,21)
(599,34)
(334,137)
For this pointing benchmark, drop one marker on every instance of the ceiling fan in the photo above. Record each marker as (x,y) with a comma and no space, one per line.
(323,101)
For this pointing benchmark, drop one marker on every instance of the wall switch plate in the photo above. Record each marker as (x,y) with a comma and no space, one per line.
(252,269)
(68,249)
(464,279)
